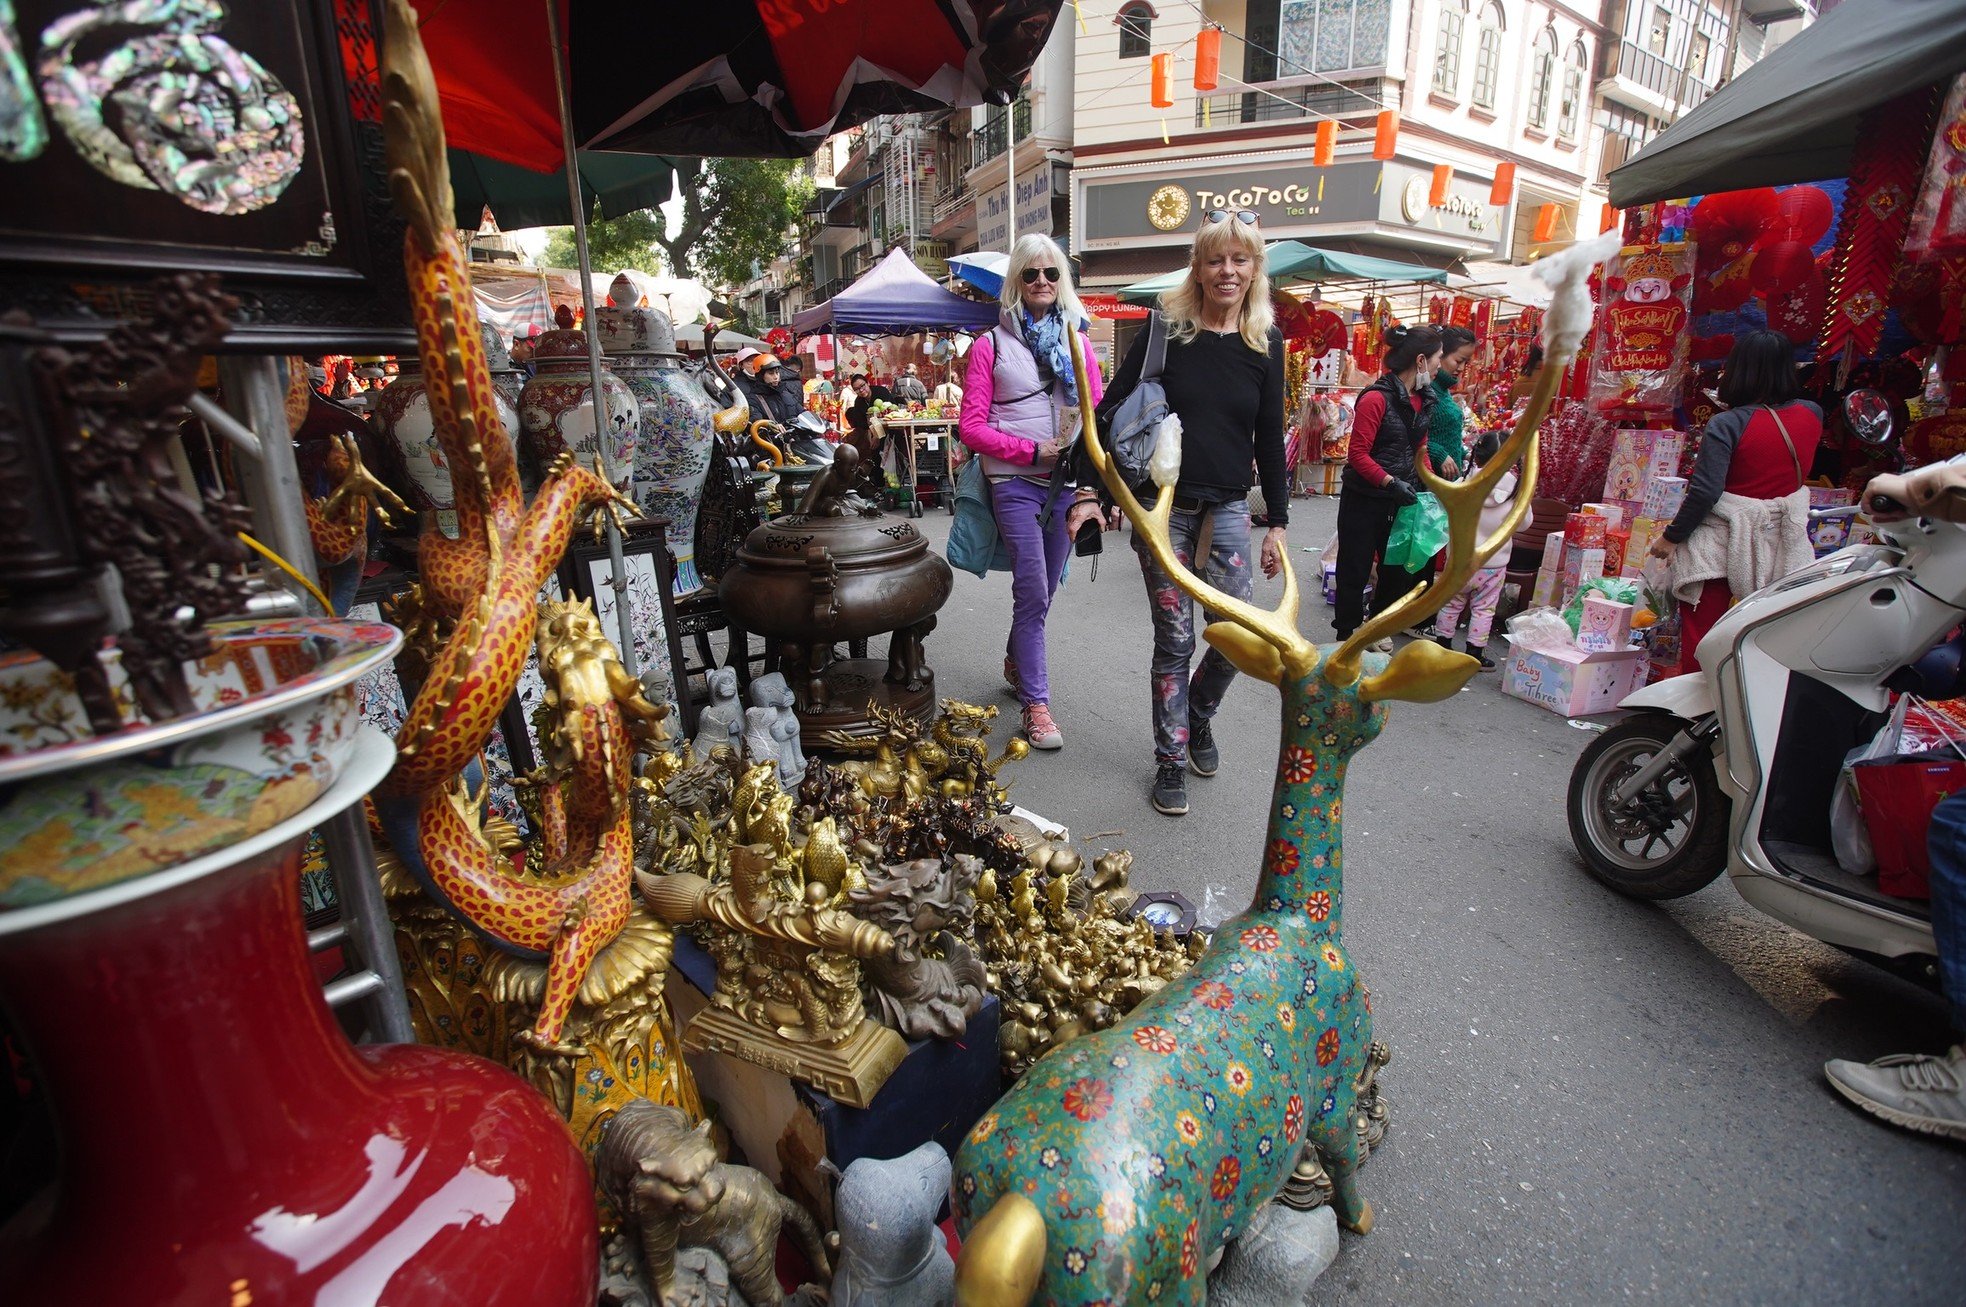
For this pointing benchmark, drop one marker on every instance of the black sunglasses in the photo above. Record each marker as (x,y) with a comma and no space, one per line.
(1245,216)
(1031,275)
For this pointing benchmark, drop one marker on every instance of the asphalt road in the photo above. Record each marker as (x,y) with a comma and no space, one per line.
(1593,1099)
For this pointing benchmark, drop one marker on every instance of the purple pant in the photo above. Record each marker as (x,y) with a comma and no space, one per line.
(1037,561)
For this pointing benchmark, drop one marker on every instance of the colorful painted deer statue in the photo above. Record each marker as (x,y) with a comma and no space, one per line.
(1124,1159)
(487,581)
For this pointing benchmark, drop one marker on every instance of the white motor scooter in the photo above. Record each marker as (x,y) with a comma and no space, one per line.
(1736,767)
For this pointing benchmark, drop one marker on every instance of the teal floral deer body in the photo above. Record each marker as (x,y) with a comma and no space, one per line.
(1125,1159)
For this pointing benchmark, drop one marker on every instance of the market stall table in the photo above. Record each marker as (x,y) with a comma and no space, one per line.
(921,440)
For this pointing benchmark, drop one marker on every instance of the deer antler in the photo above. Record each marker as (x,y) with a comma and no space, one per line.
(1465,552)
(1278,628)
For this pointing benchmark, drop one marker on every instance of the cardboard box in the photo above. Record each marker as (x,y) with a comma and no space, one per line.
(1579,566)
(1584,530)
(1573,682)
(1612,513)
(1663,496)
(1668,450)
(1631,455)
(1553,551)
(1606,625)
(1644,531)
(1615,544)
(1548,580)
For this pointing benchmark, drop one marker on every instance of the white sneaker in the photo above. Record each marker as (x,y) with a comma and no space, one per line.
(1914,1090)
(1381,646)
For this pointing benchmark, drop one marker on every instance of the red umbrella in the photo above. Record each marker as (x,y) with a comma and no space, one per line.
(740,77)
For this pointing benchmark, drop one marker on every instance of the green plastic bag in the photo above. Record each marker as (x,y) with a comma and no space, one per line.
(1618,589)
(1419,531)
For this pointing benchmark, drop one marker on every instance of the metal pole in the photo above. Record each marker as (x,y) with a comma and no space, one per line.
(256,392)
(1010,170)
(351,859)
(624,620)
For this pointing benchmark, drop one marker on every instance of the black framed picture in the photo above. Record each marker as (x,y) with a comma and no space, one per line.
(242,139)
(589,574)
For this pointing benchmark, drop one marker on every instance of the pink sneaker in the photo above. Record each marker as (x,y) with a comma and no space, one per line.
(1039,729)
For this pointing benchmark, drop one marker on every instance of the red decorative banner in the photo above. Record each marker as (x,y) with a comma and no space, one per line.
(1643,342)
(1876,212)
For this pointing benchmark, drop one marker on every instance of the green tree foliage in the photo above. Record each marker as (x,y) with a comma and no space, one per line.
(614,244)
(735,214)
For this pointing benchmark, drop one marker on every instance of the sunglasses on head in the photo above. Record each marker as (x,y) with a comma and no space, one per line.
(1245,216)
(1031,275)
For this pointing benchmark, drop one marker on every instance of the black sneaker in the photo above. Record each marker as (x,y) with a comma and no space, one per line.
(1170,793)
(1203,756)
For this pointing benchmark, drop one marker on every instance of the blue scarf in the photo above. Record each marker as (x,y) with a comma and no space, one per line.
(1048,342)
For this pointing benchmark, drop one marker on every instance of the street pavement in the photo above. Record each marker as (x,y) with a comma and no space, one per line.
(1592,1099)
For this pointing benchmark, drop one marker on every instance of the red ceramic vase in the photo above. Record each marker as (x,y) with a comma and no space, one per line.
(222,1143)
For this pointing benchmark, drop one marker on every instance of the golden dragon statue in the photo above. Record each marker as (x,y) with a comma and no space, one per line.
(485,586)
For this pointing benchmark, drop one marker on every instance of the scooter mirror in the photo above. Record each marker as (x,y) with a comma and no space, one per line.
(1869,416)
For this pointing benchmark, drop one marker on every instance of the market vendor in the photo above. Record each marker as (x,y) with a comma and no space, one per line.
(1745,520)
(860,414)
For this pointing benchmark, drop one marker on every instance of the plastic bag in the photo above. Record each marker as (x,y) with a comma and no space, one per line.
(1540,628)
(1216,907)
(1419,531)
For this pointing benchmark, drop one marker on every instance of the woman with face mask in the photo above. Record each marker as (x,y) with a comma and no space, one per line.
(1390,425)
(1446,438)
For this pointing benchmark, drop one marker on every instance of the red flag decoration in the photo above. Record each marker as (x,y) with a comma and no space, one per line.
(1876,214)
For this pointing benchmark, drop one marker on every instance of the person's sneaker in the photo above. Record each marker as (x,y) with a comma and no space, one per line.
(1039,729)
(1170,794)
(1914,1090)
(1479,652)
(1381,646)
(1420,631)
(1203,756)
(1010,674)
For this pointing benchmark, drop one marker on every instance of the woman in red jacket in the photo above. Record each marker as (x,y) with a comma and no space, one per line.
(1389,441)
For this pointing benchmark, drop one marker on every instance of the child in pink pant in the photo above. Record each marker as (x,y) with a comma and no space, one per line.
(1479,597)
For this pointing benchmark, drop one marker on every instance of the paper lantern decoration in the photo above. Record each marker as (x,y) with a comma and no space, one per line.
(1504,188)
(1546,219)
(1803,213)
(1781,267)
(1385,138)
(1327,143)
(1607,218)
(1443,175)
(1208,58)
(1163,94)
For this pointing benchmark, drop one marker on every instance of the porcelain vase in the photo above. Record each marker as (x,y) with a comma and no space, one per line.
(674,456)
(402,415)
(556,409)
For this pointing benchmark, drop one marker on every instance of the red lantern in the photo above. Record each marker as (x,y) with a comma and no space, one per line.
(1504,188)
(1803,213)
(1607,218)
(1546,218)
(1385,138)
(1781,267)
(1327,143)
(1208,58)
(1443,175)
(1163,95)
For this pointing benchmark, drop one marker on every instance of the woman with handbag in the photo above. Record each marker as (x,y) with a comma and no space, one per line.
(1745,521)
(1020,413)
(1390,425)
(1223,378)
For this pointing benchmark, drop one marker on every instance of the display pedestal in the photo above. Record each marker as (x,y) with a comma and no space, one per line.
(852,1072)
(851,685)
(786,1128)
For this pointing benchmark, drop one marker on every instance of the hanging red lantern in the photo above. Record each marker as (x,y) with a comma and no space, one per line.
(1504,188)
(1208,58)
(1163,94)
(1546,219)
(1803,213)
(1443,176)
(1327,143)
(1780,267)
(1385,139)
(1607,218)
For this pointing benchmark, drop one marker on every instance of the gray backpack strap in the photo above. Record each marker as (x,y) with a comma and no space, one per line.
(1150,367)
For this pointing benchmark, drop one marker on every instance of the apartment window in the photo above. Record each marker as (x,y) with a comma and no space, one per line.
(1136,32)
(1697,56)
(1542,78)
(1447,49)
(1296,38)
(1488,56)
(1571,105)
(1660,35)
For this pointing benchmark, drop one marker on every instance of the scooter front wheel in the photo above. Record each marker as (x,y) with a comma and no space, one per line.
(1671,838)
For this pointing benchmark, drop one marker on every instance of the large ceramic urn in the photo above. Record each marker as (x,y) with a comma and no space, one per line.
(402,417)
(556,409)
(836,570)
(677,427)
(220,1140)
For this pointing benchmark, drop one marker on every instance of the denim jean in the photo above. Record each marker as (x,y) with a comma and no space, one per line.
(1037,562)
(1176,695)
(1946,846)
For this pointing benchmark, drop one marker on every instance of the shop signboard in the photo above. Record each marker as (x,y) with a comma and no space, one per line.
(1033,208)
(1292,199)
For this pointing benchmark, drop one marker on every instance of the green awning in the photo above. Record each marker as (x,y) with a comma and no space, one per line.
(1293,263)
(611,183)
(1793,117)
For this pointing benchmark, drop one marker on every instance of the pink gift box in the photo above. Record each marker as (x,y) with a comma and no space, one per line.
(1573,682)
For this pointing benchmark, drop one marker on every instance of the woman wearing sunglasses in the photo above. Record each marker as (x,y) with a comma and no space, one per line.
(1224,379)
(1020,412)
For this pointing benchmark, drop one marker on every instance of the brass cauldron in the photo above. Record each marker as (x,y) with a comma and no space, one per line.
(837,570)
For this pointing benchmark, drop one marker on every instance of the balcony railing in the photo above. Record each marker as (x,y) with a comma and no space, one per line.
(989,140)
(1641,67)
(950,200)
(1291,103)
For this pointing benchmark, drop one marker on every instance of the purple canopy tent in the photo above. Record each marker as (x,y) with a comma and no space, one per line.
(895,298)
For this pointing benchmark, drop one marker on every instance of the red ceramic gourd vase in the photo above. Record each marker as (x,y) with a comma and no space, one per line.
(222,1143)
